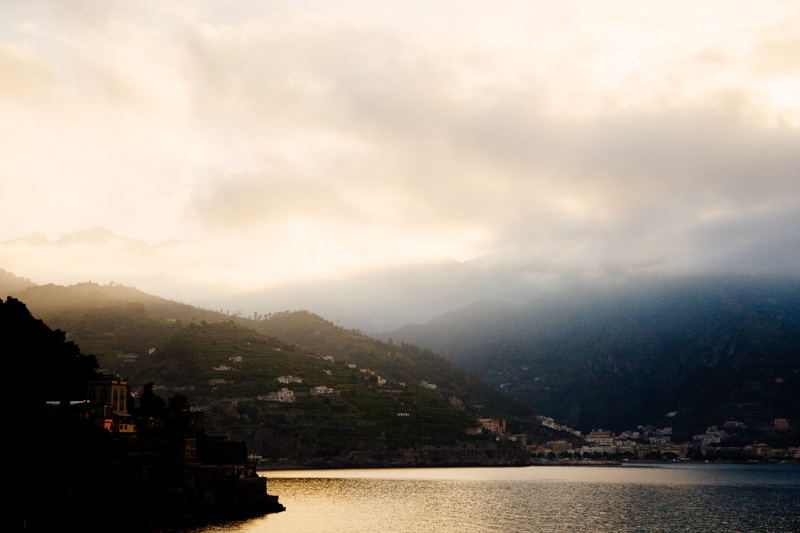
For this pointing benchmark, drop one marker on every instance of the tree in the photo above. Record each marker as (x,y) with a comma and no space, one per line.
(150,405)
(46,366)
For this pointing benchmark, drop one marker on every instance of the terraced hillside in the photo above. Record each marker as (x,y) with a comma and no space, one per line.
(340,393)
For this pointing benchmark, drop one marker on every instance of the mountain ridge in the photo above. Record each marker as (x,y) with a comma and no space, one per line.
(345,389)
(707,348)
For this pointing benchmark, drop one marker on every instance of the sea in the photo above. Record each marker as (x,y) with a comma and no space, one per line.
(670,497)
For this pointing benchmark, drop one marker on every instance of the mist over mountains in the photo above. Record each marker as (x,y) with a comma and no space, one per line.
(684,352)
(373,301)
(614,347)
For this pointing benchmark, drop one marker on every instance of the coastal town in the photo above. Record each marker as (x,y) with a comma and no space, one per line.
(732,440)
(724,442)
(183,473)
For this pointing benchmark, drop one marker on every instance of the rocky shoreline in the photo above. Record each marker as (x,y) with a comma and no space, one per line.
(210,495)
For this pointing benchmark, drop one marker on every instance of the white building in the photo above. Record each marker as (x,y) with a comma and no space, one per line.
(284,396)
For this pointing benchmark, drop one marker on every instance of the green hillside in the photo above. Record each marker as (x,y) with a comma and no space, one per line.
(230,370)
(380,396)
(402,362)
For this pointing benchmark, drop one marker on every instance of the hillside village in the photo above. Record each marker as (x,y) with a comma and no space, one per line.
(645,443)
(723,442)
(733,441)
(355,440)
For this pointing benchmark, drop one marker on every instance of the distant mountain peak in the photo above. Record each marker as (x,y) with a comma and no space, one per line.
(95,235)
(10,283)
(35,238)
(98,236)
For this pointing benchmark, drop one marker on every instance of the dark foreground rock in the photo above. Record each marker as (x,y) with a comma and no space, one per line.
(211,495)
(71,476)
(81,462)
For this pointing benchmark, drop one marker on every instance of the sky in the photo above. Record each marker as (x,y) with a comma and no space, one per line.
(240,145)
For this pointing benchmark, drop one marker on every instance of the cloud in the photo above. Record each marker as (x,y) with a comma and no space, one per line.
(310,139)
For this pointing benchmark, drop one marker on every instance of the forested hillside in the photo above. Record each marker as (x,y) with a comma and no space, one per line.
(686,353)
(404,362)
(292,385)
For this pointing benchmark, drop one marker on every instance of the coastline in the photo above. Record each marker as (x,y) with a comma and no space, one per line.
(534,463)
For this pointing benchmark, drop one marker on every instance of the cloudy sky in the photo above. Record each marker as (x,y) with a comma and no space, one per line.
(248,144)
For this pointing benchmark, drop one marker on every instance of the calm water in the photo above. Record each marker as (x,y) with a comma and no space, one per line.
(664,498)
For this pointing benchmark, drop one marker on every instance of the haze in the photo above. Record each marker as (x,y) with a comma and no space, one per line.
(240,147)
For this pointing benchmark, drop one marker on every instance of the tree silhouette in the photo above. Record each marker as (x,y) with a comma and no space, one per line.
(150,405)
(43,365)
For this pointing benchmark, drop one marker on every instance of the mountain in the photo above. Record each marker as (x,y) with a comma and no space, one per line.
(378,301)
(101,255)
(702,350)
(372,301)
(10,283)
(37,238)
(349,394)
(98,236)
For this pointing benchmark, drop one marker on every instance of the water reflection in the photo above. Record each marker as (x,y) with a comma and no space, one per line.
(555,499)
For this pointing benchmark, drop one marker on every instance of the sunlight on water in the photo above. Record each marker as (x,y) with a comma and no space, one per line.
(583,499)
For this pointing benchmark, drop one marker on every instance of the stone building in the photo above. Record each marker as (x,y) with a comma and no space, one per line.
(110,390)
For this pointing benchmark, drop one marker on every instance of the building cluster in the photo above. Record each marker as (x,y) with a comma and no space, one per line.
(491,425)
(168,456)
(322,390)
(497,428)
(283,396)
(649,442)
(106,405)
(552,424)
(107,399)
(715,441)
(286,395)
